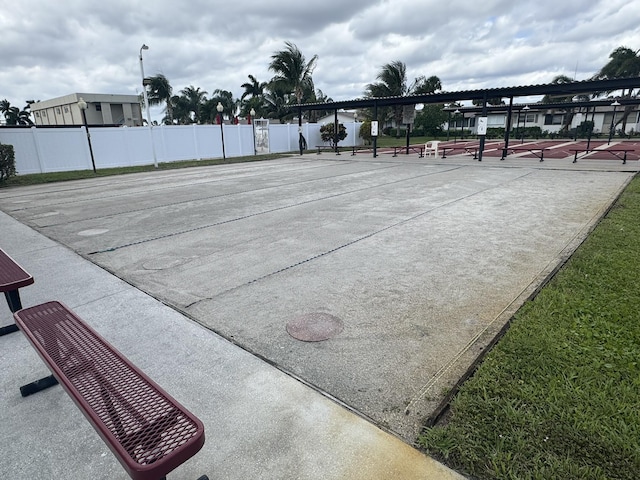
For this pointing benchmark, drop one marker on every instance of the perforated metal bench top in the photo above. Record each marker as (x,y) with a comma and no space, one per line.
(148,431)
(12,276)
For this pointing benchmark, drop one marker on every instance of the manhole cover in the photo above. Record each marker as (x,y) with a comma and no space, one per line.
(314,327)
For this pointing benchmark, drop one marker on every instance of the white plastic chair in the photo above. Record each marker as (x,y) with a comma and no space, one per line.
(431,147)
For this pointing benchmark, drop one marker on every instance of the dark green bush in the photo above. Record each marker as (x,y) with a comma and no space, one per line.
(7,162)
(327,133)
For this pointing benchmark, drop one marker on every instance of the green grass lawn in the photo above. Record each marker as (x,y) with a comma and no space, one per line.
(559,395)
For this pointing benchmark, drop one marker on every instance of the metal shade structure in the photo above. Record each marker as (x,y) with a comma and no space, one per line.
(560,89)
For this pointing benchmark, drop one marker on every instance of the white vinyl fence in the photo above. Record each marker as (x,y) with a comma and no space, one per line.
(41,150)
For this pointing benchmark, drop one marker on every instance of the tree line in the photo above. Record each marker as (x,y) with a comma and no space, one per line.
(292,83)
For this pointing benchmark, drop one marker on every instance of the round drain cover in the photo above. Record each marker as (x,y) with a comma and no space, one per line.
(314,327)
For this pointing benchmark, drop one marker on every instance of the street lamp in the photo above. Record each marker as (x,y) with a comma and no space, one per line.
(146,105)
(82,105)
(615,105)
(253,125)
(220,108)
(526,110)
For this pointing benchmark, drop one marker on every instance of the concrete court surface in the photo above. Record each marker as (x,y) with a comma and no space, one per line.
(259,422)
(421,260)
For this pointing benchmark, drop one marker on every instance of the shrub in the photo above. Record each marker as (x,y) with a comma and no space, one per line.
(7,162)
(365,131)
(327,133)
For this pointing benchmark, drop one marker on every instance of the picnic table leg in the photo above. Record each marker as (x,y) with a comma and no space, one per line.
(13,300)
(34,387)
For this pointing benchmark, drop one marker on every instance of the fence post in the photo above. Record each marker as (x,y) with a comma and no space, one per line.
(36,142)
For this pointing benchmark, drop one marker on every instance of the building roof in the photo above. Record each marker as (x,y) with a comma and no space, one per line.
(87,97)
(587,86)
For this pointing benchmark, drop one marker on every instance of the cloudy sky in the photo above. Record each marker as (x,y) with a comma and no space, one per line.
(53,48)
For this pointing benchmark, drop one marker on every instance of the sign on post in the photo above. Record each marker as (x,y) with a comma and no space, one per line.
(408,114)
(482,125)
(374,128)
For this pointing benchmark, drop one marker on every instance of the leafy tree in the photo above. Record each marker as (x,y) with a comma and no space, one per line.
(210,107)
(327,133)
(159,91)
(623,63)
(365,131)
(431,119)
(7,162)
(292,72)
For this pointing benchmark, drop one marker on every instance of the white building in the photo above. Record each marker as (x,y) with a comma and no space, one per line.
(102,109)
(549,120)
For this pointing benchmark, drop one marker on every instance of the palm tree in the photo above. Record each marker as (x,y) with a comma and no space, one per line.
(570,111)
(15,116)
(275,101)
(393,83)
(623,63)
(292,71)
(253,96)
(194,98)
(225,98)
(160,91)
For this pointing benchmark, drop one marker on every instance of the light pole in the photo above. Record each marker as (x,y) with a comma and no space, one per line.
(220,108)
(82,105)
(146,105)
(615,105)
(253,128)
(526,110)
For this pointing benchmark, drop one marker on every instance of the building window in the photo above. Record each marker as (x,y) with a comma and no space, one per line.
(66,109)
(58,111)
(98,107)
(38,114)
(553,119)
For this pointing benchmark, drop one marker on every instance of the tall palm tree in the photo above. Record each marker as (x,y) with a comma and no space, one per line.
(570,111)
(195,98)
(393,83)
(623,63)
(253,96)
(275,101)
(292,71)
(253,88)
(160,91)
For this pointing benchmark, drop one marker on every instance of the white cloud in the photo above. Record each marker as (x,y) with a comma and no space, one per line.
(52,48)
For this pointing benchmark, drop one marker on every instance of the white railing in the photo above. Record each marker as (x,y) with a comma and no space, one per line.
(41,150)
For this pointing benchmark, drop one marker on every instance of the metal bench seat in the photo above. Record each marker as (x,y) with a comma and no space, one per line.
(12,278)
(148,431)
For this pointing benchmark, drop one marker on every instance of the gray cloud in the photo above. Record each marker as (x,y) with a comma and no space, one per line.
(51,48)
